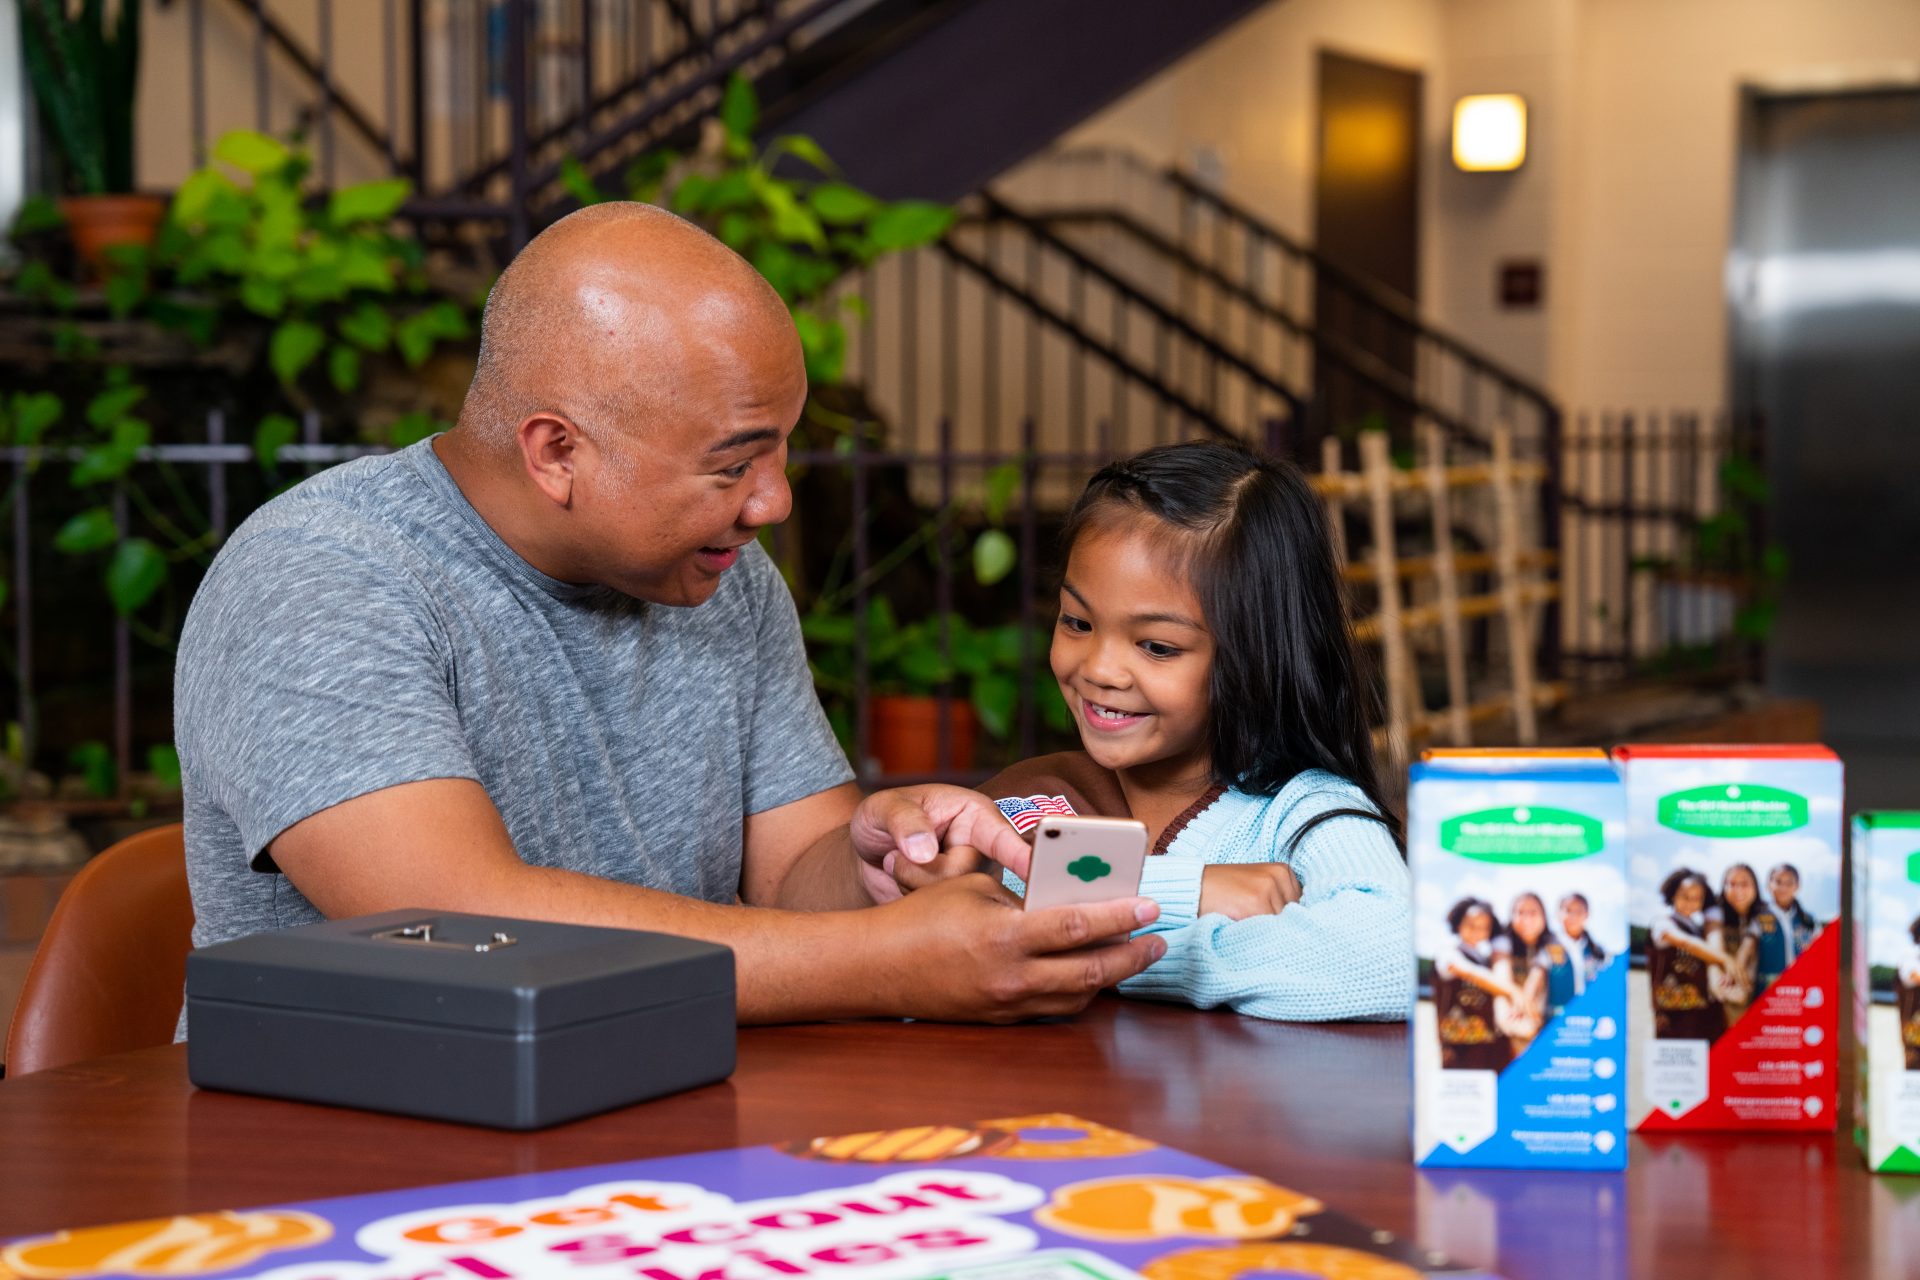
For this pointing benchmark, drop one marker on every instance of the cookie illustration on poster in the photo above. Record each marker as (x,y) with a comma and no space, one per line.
(1044,1196)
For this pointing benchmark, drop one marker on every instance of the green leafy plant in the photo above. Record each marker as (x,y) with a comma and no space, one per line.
(983,665)
(328,284)
(83,66)
(92,763)
(1729,552)
(1728,542)
(801,233)
(334,281)
(324,286)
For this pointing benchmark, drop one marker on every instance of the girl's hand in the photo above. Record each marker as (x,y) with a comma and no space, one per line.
(1521,1024)
(1240,892)
(905,826)
(949,864)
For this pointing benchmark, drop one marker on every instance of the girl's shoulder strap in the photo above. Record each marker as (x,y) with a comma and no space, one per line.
(1309,798)
(1312,790)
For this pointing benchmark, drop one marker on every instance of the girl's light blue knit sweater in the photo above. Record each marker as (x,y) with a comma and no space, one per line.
(1343,951)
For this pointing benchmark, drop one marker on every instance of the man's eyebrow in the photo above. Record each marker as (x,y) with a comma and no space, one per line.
(740,439)
(1177,619)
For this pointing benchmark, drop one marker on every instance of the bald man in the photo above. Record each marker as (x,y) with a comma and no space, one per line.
(539,667)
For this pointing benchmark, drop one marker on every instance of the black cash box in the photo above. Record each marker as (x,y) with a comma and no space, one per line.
(517,1024)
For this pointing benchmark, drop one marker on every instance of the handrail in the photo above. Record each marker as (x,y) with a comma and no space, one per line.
(1383,299)
(1119,360)
(1390,382)
(639,80)
(296,53)
(1375,296)
(1178,324)
(716,71)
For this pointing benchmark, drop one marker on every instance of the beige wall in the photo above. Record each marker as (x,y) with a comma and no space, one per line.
(1655,137)
(163,124)
(1626,197)
(1249,97)
(1485,219)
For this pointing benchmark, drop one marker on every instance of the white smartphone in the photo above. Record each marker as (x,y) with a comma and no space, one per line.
(1085,860)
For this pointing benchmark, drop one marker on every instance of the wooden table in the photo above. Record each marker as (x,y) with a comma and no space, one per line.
(1321,1109)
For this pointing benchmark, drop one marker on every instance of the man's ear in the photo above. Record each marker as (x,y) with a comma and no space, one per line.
(548,443)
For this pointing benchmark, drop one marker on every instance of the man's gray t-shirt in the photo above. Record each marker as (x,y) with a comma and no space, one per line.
(368,629)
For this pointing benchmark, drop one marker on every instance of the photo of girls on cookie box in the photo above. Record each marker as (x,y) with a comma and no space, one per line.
(1733,999)
(1520,933)
(1886,989)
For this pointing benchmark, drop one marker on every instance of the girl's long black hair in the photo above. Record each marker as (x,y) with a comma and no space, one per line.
(1288,692)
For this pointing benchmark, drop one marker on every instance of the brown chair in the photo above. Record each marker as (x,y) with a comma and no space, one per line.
(110,970)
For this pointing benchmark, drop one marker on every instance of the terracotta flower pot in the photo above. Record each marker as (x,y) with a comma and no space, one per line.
(100,223)
(903,733)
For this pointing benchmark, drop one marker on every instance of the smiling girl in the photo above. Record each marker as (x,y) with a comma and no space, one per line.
(1735,913)
(1204,650)
(1527,940)
(1681,960)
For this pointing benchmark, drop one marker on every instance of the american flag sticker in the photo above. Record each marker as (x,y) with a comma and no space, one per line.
(1025,812)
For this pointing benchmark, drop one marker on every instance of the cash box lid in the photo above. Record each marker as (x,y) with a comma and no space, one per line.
(441,968)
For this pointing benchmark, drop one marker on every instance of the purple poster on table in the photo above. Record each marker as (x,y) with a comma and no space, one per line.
(1050,1197)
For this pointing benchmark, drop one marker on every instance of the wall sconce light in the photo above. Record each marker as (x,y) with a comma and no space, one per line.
(1490,132)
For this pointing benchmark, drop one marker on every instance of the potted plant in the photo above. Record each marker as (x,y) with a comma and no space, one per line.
(83,66)
(1728,587)
(784,207)
(910,666)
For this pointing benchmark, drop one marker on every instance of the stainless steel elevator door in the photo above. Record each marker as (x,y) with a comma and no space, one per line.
(1825,289)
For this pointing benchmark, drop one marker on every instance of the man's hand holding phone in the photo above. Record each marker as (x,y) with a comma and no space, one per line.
(1073,860)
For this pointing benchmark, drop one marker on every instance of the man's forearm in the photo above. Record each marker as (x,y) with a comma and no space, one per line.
(827,877)
(790,965)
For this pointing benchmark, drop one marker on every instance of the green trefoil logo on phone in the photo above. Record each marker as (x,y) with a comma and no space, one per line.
(1525,835)
(1089,868)
(1733,811)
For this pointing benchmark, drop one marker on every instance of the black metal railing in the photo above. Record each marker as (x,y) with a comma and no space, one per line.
(1048,332)
(1354,355)
(1239,277)
(480,101)
(81,671)
(1667,564)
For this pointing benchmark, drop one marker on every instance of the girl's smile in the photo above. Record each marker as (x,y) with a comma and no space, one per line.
(1529,919)
(1740,891)
(1133,655)
(1103,719)
(1475,928)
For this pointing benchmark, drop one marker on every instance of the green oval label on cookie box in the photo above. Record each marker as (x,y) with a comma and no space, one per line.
(1733,811)
(1523,835)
